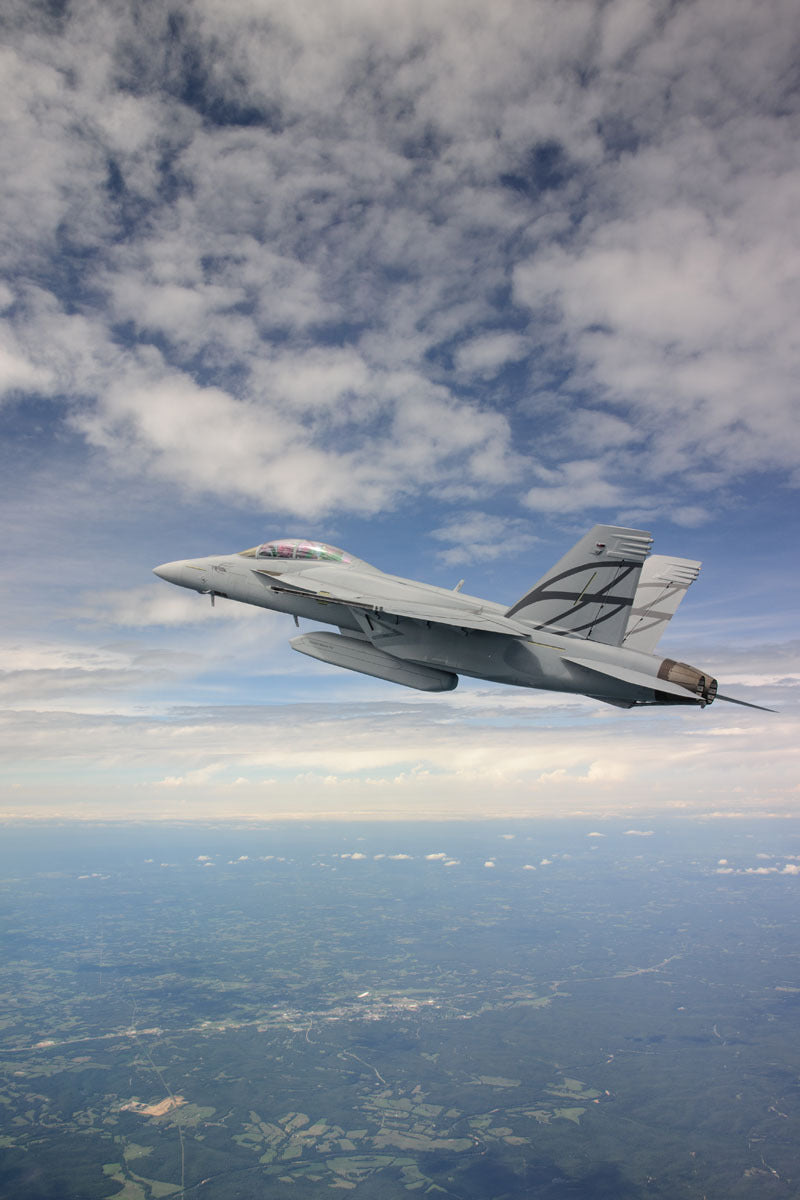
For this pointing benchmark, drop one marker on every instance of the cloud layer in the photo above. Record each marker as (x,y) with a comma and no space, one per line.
(313,259)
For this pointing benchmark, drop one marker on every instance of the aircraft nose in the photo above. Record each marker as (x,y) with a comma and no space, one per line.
(171,571)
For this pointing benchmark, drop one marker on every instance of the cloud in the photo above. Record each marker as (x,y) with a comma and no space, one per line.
(306,444)
(788,869)
(200,777)
(485,355)
(574,487)
(661,310)
(387,753)
(154,604)
(608,770)
(49,674)
(478,537)
(638,832)
(17,373)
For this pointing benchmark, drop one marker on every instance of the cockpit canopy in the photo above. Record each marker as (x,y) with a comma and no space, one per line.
(299,549)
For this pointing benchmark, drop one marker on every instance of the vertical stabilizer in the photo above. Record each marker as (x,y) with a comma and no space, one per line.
(662,585)
(590,591)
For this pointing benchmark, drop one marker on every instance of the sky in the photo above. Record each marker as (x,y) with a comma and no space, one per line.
(444,283)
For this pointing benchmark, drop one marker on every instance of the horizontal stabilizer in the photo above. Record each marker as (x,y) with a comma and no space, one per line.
(590,591)
(356,654)
(650,683)
(663,583)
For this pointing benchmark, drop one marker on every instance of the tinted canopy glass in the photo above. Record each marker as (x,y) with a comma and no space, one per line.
(298,548)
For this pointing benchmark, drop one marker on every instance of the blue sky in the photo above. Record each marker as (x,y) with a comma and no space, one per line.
(444,283)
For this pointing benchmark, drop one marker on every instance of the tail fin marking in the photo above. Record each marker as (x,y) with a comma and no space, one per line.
(663,584)
(590,591)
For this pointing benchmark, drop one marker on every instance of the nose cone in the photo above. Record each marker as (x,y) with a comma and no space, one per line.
(173,572)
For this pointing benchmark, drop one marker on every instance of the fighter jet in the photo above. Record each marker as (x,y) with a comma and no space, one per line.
(590,626)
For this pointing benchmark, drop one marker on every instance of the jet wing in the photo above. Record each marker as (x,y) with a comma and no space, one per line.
(391,595)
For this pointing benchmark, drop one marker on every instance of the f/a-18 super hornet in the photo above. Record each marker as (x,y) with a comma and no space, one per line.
(589,626)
